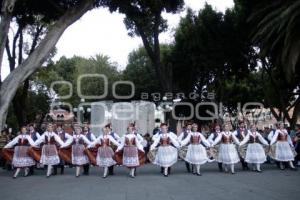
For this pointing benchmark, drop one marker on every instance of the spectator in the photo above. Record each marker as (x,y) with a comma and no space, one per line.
(296,141)
(3,142)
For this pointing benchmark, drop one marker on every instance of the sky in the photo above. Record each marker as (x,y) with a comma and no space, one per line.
(102,32)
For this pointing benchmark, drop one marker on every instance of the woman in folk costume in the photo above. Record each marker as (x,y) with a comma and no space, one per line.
(282,147)
(21,159)
(255,152)
(131,147)
(167,154)
(49,150)
(105,152)
(196,152)
(227,153)
(79,158)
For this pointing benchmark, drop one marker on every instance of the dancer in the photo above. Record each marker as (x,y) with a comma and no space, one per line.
(91,137)
(227,153)
(34,136)
(166,154)
(213,150)
(78,142)
(105,152)
(118,139)
(255,153)
(131,147)
(49,155)
(282,145)
(241,133)
(21,159)
(65,137)
(196,153)
(186,131)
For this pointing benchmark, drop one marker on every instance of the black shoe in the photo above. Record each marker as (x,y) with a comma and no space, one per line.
(62,169)
(111,170)
(293,168)
(111,173)
(31,171)
(199,174)
(166,175)
(104,176)
(54,170)
(281,166)
(187,165)
(259,171)
(220,167)
(86,169)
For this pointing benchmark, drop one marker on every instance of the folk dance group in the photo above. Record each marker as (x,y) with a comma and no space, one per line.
(228,148)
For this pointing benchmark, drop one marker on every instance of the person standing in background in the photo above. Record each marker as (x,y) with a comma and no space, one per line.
(3,142)
(296,141)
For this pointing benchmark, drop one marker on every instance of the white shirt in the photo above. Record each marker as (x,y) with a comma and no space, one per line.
(130,136)
(283,131)
(16,140)
(212,135)
(98,140)
(256,135)
(49,135)
(76,138)
(226,134)
(188,138)
(173,140)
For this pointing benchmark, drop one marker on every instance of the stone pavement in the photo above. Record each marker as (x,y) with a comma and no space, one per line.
(272,184)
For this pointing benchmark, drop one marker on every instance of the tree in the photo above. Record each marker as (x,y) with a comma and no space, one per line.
(143,18)
(139,70)
(29,27)
(72,10)
(212,52)
(7,7)
(275,33)
(69,69)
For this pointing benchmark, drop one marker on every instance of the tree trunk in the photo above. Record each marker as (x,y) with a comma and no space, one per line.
(296,113)
(6,16)
(153,51)
(35,60)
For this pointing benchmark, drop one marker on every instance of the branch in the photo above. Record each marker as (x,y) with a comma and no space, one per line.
(36,37)
(11,60)
(39,55)
(15,42)
(6,16)
(20,57)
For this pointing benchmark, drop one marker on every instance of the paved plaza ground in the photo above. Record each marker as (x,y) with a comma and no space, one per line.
(272,184)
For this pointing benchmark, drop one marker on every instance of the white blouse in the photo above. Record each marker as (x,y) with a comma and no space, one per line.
(16,140)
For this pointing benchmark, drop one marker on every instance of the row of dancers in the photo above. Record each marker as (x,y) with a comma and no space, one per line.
(226,147)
